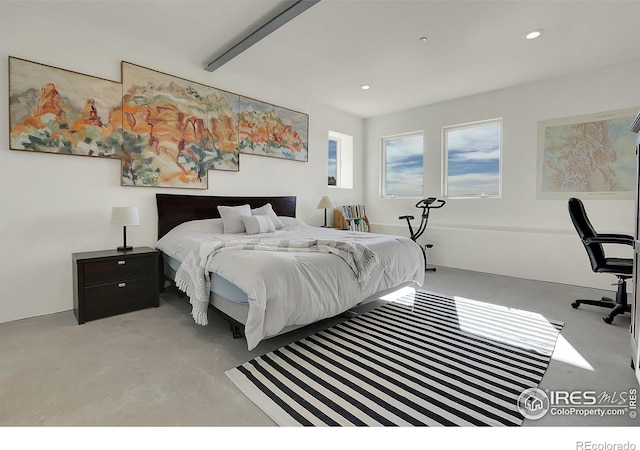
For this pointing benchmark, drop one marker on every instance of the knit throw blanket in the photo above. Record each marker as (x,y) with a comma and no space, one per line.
(193,275)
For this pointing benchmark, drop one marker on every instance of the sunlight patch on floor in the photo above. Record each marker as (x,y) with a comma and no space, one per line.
(563,350)
(567,353)
(511,326)
(508,325)
(396,296)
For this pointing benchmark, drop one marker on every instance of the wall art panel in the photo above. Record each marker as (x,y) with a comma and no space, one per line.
(175,130)
(55,110)
(269,130)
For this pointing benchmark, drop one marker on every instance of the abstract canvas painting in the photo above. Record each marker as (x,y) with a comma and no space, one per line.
(167,131)
(589,156)
(55,110)
(175,130)
(270,130)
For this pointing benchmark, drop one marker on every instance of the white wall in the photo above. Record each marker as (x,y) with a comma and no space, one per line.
(516,235)
(53,205)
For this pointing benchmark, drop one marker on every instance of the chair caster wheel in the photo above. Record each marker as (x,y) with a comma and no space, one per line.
(575,305)
(608,319)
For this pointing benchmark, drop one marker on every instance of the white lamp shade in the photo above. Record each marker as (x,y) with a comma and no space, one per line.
(326,202)
(125,215)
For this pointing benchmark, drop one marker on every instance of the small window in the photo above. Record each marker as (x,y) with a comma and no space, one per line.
(472,159)
(340,160)
(334,149)
(402,165)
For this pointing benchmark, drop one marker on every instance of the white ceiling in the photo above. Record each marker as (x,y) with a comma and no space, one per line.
(475,46)
(334,47)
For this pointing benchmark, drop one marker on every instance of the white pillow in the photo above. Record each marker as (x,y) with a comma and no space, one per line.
(267,210)
(258,224)
(232,218)
(211,226)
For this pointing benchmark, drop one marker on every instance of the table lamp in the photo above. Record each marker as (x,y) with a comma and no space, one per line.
(124,216)
(325,202)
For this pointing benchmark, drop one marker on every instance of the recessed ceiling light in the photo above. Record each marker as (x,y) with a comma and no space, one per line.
(533,34)
(423,39)
(365,87)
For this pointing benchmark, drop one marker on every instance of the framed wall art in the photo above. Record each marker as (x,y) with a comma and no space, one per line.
(588,156)
(55,110)
(175,130)
(269,130)
(167,131)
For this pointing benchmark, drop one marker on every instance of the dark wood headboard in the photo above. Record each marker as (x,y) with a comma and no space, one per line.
(174,209)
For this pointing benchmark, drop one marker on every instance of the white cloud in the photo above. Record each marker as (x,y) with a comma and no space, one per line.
(475,155)
(399,149)
(475,142)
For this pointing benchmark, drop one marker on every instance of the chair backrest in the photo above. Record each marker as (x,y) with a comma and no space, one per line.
(585,230)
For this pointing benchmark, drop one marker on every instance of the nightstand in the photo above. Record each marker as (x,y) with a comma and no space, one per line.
(109,282)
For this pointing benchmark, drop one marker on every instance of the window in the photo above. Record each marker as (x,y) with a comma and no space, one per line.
(402,165)
(340,160)
(472,159)
(334,146)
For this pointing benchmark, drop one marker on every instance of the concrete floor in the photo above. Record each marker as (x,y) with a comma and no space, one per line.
(157,368)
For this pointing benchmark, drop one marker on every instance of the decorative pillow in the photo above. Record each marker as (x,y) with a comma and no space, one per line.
(258,224)
(232,218)
(267,210)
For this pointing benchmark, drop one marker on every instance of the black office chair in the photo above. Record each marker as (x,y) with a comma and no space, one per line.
(620,267)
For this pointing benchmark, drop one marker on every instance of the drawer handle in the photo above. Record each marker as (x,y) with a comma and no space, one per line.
(121,285)
(121,263)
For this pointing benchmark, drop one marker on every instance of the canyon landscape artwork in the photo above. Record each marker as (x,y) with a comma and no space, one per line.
(175,130)
(167,131)
(58,111)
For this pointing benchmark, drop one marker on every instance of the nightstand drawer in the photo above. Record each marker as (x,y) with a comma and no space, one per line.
(115,298)
(117,269)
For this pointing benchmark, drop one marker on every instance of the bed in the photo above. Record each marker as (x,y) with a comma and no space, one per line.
(275,280)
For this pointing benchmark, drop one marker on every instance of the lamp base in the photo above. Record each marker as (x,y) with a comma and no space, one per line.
(124,249)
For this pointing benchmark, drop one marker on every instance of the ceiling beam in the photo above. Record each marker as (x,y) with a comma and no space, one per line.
(269,27)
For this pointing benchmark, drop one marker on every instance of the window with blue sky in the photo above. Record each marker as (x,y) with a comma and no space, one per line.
(340,160)
(472,159)
(333,162)
(403,165)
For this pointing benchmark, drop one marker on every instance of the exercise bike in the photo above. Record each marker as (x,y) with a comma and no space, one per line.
(426,204)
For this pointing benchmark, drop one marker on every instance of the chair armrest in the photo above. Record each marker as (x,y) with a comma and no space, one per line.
(615,236)
(406,217)
(610,239)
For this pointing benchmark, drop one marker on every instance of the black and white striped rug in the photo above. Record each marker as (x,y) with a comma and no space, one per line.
(421,360)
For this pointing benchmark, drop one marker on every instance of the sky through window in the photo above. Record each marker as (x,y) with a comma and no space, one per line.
(473,160)
(403,166)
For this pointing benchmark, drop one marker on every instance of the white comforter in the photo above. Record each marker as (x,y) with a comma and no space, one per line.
(290,288)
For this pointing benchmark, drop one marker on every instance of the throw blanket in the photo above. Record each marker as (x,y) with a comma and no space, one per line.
(193,275)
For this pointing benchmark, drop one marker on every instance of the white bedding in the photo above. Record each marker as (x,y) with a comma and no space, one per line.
(291,288)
